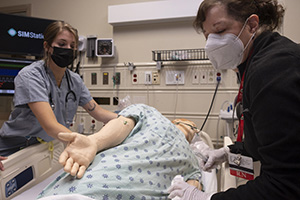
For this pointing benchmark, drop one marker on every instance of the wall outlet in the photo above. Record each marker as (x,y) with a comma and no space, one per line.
(195,78)
(203,77)
(134,78)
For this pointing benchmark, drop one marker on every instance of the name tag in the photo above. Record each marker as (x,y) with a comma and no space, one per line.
(241,166)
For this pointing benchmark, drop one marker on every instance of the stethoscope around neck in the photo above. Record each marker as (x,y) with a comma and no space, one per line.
(70,92)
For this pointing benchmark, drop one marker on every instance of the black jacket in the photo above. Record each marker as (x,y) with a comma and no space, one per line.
(272,120)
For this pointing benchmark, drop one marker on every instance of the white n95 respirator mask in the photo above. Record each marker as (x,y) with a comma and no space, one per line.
(224,51)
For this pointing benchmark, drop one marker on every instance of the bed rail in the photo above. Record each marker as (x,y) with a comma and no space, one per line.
(28,167)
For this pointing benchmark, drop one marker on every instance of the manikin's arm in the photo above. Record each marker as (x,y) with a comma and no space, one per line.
(82,149)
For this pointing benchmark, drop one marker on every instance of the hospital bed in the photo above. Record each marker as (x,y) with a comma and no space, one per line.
(30,170)
(29,167)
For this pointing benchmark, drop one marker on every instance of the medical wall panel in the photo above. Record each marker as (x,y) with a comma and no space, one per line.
(190,99)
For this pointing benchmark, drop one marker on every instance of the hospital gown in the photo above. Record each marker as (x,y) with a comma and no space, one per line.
(142,167)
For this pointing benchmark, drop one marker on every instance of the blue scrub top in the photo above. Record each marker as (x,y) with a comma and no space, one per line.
(36,83)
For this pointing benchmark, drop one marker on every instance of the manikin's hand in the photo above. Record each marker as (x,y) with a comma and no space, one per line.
(185,191)
(209,158)
(78,154)
(1,164)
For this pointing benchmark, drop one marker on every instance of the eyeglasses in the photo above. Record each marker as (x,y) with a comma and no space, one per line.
(194,128)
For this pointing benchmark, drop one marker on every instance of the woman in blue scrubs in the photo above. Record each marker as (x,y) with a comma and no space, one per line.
(47,94)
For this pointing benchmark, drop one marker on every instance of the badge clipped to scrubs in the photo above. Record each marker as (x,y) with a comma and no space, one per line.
(240,165)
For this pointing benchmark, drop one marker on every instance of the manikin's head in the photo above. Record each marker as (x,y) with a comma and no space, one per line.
(187,127)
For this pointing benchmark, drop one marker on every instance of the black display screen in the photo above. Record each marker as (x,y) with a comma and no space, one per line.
(9,68)
(21,35)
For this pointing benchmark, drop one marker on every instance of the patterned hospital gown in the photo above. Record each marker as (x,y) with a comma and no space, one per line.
(140,168)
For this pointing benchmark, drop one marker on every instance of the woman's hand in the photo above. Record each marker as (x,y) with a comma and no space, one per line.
(182,190)
(78,154)
(1,164)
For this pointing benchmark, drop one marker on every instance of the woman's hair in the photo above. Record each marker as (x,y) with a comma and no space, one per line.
(270,12)
(55,28)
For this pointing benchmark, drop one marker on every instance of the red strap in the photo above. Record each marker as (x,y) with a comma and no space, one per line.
(240,94)
(239,99)
(240,129)
(241,120)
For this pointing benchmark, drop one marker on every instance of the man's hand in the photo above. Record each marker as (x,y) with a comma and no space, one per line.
(78,154)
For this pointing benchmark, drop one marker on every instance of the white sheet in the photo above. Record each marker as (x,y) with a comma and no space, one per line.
(67,197)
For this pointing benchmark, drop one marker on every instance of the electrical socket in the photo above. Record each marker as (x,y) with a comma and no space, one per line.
(203,77)
(135,78)
(195,79)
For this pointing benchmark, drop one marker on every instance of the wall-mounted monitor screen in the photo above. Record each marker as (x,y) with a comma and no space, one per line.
(9,68)
(21,35)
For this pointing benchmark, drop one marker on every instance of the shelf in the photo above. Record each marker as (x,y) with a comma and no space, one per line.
(179,55)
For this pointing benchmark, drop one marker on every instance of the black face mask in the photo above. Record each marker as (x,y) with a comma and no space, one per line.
(63,57)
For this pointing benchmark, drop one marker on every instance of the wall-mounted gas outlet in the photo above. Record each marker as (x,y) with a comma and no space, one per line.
(105,78)
(81,125)
(117,78)
(174,77)
(94,78)
(211,77)
(148,78)
(93,126)
(155,78)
